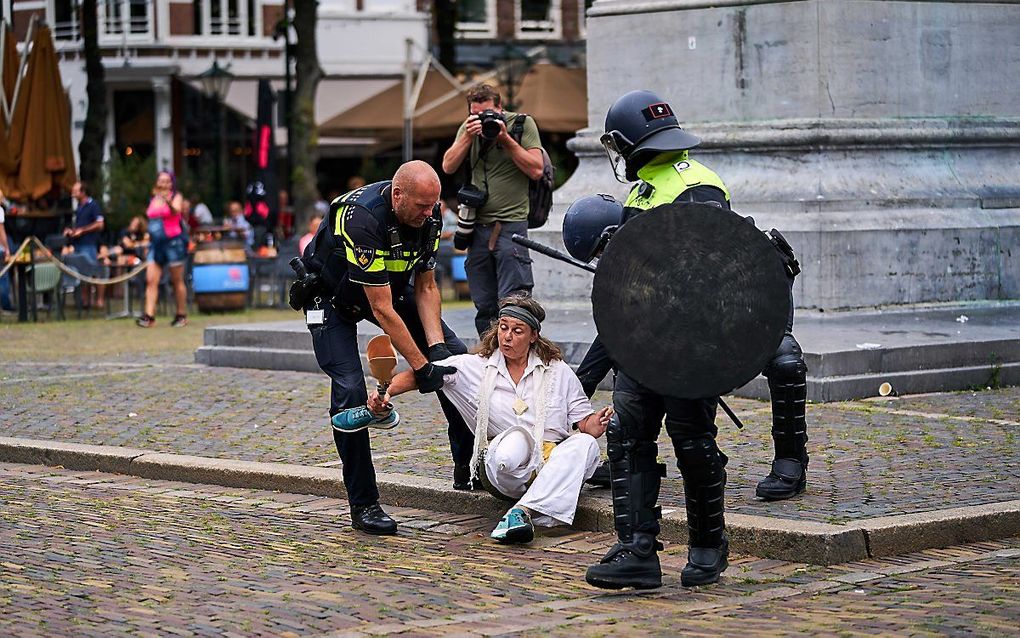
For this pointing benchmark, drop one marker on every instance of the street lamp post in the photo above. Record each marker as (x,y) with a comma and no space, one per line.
(215,84)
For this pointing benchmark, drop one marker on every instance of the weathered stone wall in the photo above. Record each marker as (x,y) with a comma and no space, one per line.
(883,138)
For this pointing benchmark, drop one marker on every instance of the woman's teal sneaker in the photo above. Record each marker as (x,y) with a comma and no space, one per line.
(359,418)
(515,527)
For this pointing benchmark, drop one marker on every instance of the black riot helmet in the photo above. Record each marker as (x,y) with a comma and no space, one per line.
(640,125)
(589,224)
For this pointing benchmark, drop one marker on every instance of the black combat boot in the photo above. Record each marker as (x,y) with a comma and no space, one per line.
(705,564)
(789,432)
(628,564)
(600,478)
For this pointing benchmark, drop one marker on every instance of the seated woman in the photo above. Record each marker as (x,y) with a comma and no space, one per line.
(539,428)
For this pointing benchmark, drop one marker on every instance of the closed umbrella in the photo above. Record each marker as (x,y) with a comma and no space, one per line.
(47,160)
(9,63)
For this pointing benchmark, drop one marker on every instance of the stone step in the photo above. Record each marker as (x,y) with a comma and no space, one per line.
(849,355)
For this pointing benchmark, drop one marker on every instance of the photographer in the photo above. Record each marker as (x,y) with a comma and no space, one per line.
(494,201)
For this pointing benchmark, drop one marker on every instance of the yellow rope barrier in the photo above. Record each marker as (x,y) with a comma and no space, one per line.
(71,271)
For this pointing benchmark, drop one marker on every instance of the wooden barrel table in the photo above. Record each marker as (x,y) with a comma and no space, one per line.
(220,275)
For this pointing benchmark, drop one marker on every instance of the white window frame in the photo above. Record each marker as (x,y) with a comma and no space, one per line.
(551,29)
(74,25)
(125,34)
(480,30)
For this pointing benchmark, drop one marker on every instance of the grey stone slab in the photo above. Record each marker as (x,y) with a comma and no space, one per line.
(73,456)
(890,535)
(849,354)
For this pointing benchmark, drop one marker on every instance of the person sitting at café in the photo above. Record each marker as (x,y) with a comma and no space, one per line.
(540,430)
(240,228)
(313,226)
(132,243)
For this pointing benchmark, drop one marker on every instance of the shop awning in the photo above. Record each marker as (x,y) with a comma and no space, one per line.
(555,96)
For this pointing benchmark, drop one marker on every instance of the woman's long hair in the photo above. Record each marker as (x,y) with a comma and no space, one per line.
(546,350)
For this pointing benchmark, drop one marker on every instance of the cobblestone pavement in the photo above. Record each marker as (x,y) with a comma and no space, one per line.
(868,458)
(89,554)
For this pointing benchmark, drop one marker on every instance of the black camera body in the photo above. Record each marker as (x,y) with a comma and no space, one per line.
(490,123)
(471,196)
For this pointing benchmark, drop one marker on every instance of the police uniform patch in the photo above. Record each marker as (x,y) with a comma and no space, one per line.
(657,111)
(365,256)
(681,166)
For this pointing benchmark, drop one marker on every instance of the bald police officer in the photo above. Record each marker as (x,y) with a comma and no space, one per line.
(374,255)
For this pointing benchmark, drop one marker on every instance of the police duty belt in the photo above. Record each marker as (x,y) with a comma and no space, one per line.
(690,300)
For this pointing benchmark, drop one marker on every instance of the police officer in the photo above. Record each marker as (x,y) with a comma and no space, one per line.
(375,241)
(645,142)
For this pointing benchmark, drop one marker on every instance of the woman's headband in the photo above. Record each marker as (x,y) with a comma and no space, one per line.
(518,312)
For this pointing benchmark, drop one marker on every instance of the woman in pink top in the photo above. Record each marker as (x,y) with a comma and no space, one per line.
(168,247)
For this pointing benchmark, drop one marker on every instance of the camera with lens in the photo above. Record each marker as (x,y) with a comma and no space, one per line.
(490,123)
(471,198)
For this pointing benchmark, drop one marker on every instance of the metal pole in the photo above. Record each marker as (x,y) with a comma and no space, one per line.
(408,106)
(221,152)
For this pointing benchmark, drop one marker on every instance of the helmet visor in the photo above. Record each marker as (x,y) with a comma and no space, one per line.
(614,143)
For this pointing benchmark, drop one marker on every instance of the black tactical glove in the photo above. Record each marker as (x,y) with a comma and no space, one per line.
(438,352)
(429,377)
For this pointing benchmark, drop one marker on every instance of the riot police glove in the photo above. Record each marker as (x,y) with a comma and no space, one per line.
(429,377)
(438,352)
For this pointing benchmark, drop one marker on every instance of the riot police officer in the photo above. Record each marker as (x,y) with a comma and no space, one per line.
(660,160)
(645,142)
(374,242)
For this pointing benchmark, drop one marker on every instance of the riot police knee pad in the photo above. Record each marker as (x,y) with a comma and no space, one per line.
(701,462)
(787,366)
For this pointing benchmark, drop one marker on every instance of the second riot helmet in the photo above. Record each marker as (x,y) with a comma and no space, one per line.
(588,225)
(640,125)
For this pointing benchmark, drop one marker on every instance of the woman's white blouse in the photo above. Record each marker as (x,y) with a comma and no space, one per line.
(568,403)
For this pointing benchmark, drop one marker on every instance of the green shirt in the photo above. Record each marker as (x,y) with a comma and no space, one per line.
(497,174)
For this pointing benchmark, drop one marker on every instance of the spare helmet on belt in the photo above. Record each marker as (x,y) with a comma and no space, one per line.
(639,125)
(588,225)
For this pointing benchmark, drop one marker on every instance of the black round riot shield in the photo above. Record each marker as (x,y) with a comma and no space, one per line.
(690,300)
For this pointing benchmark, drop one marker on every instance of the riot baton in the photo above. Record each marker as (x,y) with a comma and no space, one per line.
(550,252)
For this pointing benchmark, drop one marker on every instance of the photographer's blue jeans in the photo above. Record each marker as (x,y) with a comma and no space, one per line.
(494,274)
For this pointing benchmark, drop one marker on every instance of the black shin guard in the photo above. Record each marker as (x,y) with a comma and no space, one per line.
(635,478)
(703,467)
(787,377)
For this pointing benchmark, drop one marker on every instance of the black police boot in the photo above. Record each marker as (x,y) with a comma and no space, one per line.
(705,564)
(462,477)
(371,519)
(787,479)
(601,476)
(788,476)
(703,467)
(631,564)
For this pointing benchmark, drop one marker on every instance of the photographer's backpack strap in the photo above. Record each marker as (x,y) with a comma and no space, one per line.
(540,190)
